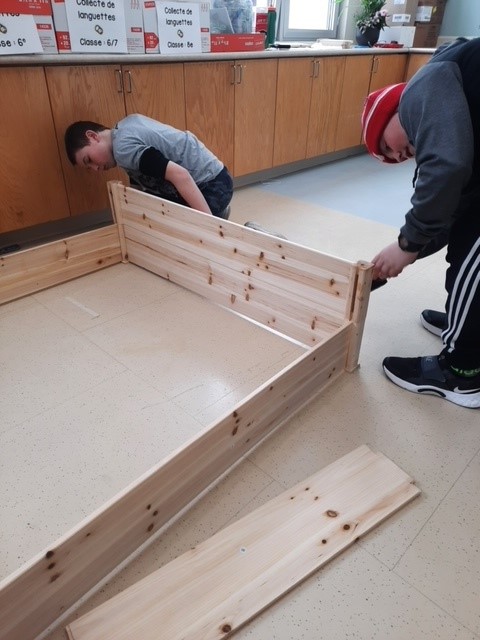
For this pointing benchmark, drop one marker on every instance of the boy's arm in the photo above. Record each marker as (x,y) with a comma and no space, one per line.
(186,186)
(154,163)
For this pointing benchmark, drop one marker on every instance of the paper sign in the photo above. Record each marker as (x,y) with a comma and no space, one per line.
(179,27)
(18,34)
(97,26)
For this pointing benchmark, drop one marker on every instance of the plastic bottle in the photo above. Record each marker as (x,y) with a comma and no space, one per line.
(271,25)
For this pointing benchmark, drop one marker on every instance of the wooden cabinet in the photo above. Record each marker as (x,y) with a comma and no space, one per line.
(32,188)
(414,63)
(254,114)
(255,97)
(363,74)
(106,94)
(230,106)
(209,104)
(324,105)
(356,81)
(387,69)
(156,91)
(85,93)
(294,88)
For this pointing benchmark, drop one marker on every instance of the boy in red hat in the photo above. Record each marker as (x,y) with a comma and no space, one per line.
(436,119)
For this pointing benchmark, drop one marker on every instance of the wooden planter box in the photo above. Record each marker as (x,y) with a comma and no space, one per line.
(315,299)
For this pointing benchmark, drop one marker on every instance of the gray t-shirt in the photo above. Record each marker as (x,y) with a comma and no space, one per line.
(133,135)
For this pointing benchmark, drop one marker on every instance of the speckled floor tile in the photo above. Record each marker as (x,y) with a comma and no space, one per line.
(59,466)
(443,561)
(184,364)
(189,349)
(44,361)
(106,294)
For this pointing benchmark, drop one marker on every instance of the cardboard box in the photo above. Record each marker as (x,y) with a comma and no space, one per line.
(62,33)
(134,26)
(401,12)
(221,42)
(430,11)
(402,35)
(150,25)
(426,35)
(41,10)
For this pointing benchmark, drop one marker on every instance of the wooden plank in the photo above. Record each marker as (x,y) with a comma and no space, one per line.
(295,290)
(35,596)
(213,589)
(251,298)
(31,270)
(363,286)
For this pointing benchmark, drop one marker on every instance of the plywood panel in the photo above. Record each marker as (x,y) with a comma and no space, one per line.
(213,589)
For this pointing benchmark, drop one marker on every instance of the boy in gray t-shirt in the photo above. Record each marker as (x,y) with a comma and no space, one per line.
(158,159)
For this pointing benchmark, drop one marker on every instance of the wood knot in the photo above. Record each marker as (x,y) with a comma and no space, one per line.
(331,513)
(226,628)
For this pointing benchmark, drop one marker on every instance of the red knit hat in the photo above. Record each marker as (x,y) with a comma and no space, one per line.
(378,110)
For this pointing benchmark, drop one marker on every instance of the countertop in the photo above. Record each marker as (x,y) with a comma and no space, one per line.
(129,58)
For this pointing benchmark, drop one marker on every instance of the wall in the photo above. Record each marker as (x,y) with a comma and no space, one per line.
(462,18)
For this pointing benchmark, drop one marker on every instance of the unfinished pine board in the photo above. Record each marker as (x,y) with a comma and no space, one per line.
(295,290)
(213,589)
(305,295)
(38,594)
(37,268)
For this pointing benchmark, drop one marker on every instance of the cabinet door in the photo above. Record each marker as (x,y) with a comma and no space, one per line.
(415,62)
(324,105)
(255,96)
(156,91)
(209,106)
(32,189)
(292,110)
(387,69)
(356,81)
(86,93)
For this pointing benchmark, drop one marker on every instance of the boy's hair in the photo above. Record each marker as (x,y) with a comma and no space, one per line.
(75,136)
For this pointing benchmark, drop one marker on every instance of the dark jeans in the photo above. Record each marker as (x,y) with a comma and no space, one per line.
(218,193)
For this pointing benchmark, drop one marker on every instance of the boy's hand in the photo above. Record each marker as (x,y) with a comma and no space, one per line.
(391,261)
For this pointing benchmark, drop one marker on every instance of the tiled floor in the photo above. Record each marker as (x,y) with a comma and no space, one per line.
(103,376)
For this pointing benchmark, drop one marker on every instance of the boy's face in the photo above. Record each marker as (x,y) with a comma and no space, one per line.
(97,154)
(394,143)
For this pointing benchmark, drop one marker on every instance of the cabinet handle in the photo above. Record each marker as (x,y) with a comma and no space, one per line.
(118,75)
(316,68)
(128,75)
(240,75)
(375,64)
(234,74)
(312,75)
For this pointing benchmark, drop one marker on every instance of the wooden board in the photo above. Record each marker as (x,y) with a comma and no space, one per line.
(300,292)
(49,264)
(40,592)
(213,589)
(317,299)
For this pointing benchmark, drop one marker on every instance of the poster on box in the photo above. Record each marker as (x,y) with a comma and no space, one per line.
(97,26)
(179,27)
(18,34)
(30,7)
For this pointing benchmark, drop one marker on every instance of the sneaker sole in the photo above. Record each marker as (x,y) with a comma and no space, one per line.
(431,327)
(470,401)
